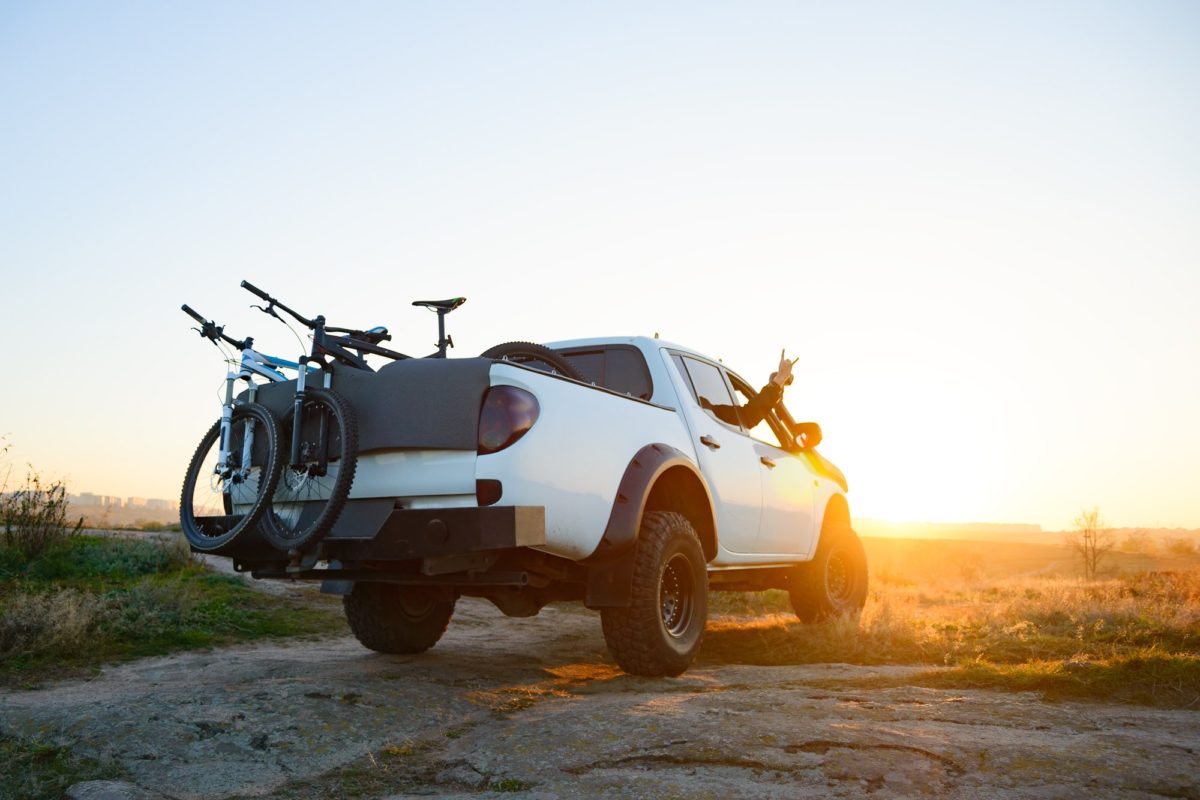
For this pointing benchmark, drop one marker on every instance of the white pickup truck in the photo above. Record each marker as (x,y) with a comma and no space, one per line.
(506,480)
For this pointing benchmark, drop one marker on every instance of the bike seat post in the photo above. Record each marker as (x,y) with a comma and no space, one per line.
(441,312)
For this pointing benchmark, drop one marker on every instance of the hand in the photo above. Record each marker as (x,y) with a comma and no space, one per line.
(783,376)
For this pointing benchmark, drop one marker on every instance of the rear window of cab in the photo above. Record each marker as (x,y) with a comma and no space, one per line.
(619,368)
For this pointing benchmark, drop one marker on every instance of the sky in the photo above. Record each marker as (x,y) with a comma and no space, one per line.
(977,225)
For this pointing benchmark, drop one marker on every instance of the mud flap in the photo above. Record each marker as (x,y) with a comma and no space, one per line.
(610,585)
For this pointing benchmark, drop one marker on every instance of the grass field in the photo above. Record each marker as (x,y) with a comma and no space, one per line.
(89,600)
(998,615)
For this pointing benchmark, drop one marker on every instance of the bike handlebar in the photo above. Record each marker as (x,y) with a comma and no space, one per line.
(212,331)
(191,313)
(252,289)
(271,302)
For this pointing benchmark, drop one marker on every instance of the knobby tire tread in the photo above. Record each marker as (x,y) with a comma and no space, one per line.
(377,619)
(635,634)
(806,584)
(343,415)
(535,352)
(201,541)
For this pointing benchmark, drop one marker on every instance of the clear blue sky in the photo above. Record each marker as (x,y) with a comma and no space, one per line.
(978,225)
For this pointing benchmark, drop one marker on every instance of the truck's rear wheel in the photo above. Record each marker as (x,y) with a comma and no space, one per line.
(835,581)
(397,619)
(661,630)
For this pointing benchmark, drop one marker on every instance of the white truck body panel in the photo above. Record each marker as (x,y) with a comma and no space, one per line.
(414,473)
(573,458)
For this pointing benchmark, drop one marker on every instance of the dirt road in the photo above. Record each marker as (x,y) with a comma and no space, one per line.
(534,708)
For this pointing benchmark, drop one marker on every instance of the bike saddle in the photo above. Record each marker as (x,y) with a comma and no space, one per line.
(444,306)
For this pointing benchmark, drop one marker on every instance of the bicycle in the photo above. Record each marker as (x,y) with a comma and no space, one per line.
(315,481)
(322,431)
(235,469)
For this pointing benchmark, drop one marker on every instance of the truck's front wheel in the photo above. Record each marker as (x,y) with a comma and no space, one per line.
(661,630)
(834,583)
(397,619)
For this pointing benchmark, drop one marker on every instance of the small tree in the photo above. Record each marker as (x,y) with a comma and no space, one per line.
(1092,541)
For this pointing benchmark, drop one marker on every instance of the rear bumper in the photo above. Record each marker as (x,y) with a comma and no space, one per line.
(422,533)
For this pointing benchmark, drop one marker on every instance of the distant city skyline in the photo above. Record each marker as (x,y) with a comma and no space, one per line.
(90,500)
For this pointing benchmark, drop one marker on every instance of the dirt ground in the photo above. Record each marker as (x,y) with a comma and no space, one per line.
(535,708)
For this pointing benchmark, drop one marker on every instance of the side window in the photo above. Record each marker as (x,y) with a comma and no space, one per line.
(764,431)
(711,391)
(683,373)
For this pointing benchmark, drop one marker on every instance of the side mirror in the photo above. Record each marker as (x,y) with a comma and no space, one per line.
(808,434)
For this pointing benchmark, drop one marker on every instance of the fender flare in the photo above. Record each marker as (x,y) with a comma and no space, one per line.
(625,520)
(610,571)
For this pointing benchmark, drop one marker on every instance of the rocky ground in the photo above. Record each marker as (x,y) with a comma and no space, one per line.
(535,708)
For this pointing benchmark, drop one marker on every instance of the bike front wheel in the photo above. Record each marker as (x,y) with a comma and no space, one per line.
(225,494)
(317,472)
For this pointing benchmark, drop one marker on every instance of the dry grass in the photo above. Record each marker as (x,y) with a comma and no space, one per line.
(88,600)
(1134,637)
(46,623)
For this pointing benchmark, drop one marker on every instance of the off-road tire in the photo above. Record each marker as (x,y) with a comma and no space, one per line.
(520,352)
(834,583)
(388,618)
(205,530)
(651,636)
(321,500)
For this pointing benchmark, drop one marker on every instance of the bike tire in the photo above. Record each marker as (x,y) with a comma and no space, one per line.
(524,352)
(237,497)
(306,504)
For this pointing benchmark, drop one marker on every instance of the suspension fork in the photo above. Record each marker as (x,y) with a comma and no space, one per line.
(223,460)
(225,457)
(248,439)
(323,434)
(322,455)
(298,413)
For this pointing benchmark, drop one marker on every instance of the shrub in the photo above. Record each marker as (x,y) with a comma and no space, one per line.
(35,516)
(34,624)
(1179,546)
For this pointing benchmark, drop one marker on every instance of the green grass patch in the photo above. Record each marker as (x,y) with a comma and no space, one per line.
(92,600)
(35,770)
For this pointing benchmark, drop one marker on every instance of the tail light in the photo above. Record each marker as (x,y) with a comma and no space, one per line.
(507,414)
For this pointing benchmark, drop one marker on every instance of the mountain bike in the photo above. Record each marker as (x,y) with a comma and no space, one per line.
(235,469)
(321,428)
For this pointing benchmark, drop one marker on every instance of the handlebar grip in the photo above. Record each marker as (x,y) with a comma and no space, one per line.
(188,310)
(252,289)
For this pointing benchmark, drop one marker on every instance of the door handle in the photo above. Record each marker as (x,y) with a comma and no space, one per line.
(767,462)
(710,442)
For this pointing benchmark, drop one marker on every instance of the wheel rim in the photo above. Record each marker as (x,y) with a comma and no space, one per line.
(677,596)
(839,580)
(219,496)
(415,605)
(302,491)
